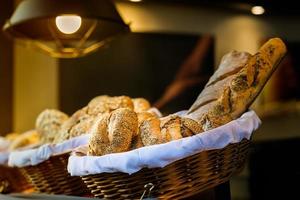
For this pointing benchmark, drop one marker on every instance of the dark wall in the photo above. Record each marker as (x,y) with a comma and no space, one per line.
(6,71)
(137,65)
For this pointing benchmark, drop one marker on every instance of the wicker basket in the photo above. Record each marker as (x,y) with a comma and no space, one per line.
(12,180)
(52,177)
(180,179)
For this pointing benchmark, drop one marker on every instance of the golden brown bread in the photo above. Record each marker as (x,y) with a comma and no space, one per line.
(79,123)
(150,131)
(82,120)
(231,64)
(227,95)
(140,105)
(238,94)
(107,104)
(113,132)
(48,124)
(156,131)
(25,139)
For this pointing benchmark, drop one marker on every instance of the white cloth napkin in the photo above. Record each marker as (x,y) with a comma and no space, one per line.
(164,154)
(4,158)
(4,145)
(35,156)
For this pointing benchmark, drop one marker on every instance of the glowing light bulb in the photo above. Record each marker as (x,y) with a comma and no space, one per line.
(257,10)
(68,24)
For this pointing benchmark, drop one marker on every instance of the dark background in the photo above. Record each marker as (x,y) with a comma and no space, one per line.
(137,65)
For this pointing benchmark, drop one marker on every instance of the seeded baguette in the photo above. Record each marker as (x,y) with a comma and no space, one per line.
(240,91)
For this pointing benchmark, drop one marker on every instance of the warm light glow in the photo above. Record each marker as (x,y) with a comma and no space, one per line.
(257,10)
(135,0)
(68,24)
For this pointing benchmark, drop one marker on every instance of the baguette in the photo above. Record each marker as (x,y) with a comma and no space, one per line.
(238,92)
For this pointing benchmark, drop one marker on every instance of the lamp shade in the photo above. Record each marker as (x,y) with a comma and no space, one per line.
(66,28)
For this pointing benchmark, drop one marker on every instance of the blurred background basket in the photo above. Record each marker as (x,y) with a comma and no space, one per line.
(180,179)
(12,180)
(52,177)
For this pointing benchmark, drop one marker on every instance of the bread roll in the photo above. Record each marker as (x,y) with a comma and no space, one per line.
(113,132)
(156,131)
(79,123)
(106,104)
(28,138)
(241,88)
(141,105)
(171,128)
(150,131)
(99,143)
(48,124)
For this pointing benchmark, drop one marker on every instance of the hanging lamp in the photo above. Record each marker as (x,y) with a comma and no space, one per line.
(66,28)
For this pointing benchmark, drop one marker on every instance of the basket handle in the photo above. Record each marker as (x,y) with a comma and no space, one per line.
(148,188)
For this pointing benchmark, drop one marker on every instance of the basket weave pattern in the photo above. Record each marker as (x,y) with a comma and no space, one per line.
(52,177)
(16,181)
(180,179)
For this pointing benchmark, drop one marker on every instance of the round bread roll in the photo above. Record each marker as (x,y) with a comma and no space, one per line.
(28,138)
(98,99)
(190,127)
(120,102)
(48,124)
(79,123)
(113,132)
(99,143)
(106,104)
(171,128)
(150,131)
(12,136)
(98,105)
(141,105)
(155,131)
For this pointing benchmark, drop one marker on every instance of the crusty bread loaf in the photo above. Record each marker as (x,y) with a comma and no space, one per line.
(48,124)
(107,104)
(150,131)
(25,139)
(227,95)
(140,105)
(155,131)
(113,132)
(241,88)
(230,64)
(79,123)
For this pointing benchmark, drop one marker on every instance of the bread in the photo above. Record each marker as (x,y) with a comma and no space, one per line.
(25,139)
(107,104)
(149,131)
(113,132)
(230,64)
(156,131)
(227,101)
(48,124)
(12,136)
(99,143)
(82,120)
(141,105)
(79,123)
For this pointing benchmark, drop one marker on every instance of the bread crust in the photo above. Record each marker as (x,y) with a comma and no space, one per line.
(113,132)
(48,124)
(141,105)
(242,89)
